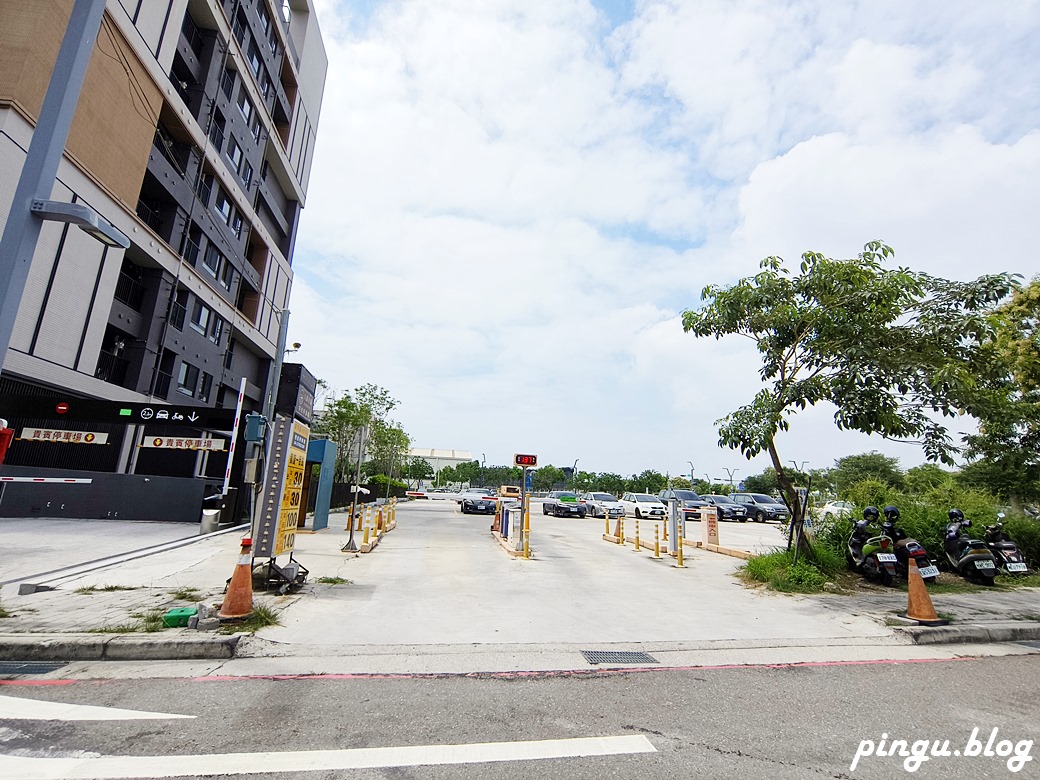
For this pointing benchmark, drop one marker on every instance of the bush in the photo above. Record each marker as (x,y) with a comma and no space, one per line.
(1025,532)
(778,570)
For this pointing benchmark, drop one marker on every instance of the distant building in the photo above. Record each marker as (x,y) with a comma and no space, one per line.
(194,135)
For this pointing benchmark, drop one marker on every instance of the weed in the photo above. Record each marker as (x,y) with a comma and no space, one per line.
(262,617)
(152,621)
(186,594)
(778,570)
(4,613)
(334,581)
(122,628)
(104,588)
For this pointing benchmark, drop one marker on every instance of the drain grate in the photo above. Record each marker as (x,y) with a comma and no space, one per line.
(615,657)
(29,667)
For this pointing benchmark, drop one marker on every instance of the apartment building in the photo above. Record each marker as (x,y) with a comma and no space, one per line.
(194,135)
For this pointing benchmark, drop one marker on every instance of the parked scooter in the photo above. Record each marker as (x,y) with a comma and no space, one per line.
(1009,558)
(970,558)
(873,556)
(907,548)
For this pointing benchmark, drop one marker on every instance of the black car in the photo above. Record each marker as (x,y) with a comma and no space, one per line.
(478,503)
(563,503)
(690,503)
(761,507)
(727,508)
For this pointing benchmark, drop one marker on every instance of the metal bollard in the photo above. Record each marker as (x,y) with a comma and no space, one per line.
(527,532)
(679,535)
(638,548)
(657,541)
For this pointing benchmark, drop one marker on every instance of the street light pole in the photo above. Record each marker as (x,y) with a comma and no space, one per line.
(731,472)
(574,473)
(691,473)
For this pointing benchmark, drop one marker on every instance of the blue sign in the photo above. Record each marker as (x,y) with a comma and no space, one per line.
(530,476)
(740,487)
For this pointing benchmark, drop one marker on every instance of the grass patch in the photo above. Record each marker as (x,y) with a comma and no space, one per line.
(122,628)
(103,589)
(262,617)
(778,571)
(152,621)
(334,581)
(186,594)
(4,613)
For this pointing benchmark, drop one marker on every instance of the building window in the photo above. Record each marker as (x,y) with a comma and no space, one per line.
(179,309)
(205,187)
(257,129)
(200,317)
(265,85)
(187,379)
(241,25)
(245,105)
(255,63)
(247,174)
(216,331)
(222,205)
(265,18)
(211,260)
(206,387)
(236,224)
(227,276)
(234,153)
(227,83)
(216,131)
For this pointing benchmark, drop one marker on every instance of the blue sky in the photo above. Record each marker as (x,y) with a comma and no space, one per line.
(513,202)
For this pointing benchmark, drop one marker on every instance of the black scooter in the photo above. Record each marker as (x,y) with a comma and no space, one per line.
(970,558)
(1009,558)
(907,548)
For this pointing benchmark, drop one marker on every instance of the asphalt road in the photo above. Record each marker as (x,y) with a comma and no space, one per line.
(763,723)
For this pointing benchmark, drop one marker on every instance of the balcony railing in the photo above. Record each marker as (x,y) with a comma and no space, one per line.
(129,291)
(150,216)
(162,384)
(178,311)
(111,368)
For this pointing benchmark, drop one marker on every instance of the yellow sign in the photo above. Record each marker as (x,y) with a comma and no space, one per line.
(292,492)
(179,443)
(66,437)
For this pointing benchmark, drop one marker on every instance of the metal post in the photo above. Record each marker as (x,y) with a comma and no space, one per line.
(22,231)
(673,524)
(351,545)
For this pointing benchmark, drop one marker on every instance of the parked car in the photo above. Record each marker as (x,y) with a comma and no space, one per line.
(602,505)
(727,508)
(836,509)
(689,502)
(563,503)
(640,505)
(761,507)
(477,501)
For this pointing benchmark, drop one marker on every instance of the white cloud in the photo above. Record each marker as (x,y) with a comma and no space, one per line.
(509,210)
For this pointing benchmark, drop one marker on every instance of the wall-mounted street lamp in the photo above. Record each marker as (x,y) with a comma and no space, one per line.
(83,217)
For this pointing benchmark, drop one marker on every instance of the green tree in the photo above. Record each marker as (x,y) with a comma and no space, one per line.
(583,481)
(920,479)
(679,483)
(888,348)
(418,469)
(1004,455)
(388,445)
(762,483)
(468,472)
(347,420)
(547,477)
(648,481)
(851,469)
(610,483)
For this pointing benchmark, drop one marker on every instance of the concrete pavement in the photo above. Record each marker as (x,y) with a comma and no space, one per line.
(440,595)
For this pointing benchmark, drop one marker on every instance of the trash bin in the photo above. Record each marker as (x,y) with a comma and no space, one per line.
(210,518)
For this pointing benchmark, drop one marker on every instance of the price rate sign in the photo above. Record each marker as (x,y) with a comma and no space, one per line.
(525,461)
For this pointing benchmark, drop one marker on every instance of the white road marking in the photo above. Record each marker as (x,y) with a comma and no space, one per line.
(14,708)
(18,768)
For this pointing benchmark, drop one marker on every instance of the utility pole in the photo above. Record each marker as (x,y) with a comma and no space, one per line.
(730,472)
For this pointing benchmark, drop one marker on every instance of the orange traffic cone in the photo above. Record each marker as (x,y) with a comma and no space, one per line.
(238,601)
(919,606)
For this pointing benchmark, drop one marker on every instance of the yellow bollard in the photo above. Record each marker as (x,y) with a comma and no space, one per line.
(657,541)
(606,519)
(638,548)
(621,536)
(679,564)
(527,532)
(664,524)
(365,541)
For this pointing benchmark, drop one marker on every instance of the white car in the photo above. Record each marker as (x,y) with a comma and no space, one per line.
(835,509)
(601,505)
(643,505)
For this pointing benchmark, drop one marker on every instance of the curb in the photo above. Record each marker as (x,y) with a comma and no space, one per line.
(1008,631)
(122,647)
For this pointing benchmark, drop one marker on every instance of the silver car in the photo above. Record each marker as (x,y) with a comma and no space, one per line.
(602,505)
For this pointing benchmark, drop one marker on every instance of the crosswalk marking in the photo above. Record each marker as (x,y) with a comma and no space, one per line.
(16,708)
